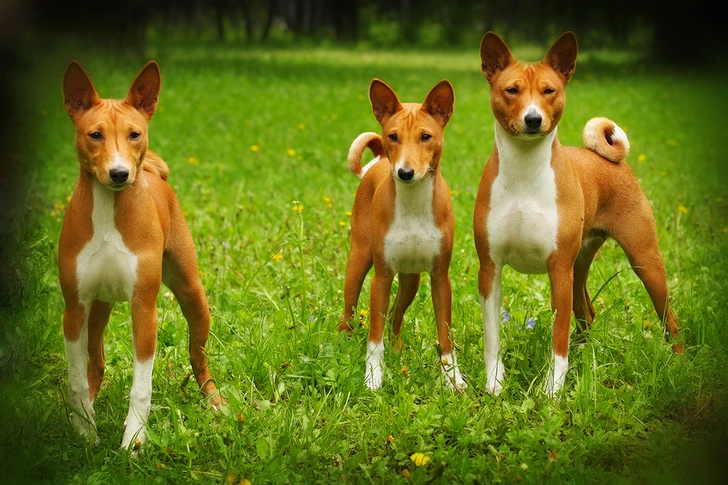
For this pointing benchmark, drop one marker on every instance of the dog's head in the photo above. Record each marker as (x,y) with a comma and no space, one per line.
(528,98)
(111,136)
(412,133)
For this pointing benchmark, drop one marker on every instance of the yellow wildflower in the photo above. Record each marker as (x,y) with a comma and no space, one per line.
(276,256)
(682,209)
(193,161)
(420,459)
(641,157)
(254,148)
(291,152)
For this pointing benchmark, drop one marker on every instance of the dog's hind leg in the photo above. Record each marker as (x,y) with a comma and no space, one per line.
(583,307)
(409,283)
(639,242)
(97,320)
(357,267)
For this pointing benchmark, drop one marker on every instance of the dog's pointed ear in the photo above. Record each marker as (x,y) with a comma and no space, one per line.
(79,93)
(562,55)
(440,101)
(384,101)
(144,91)
(494,55)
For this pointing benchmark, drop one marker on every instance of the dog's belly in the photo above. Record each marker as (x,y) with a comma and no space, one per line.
(106,268)
(522,227)
(411,245)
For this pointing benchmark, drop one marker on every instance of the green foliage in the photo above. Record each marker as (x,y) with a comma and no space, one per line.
(256,141)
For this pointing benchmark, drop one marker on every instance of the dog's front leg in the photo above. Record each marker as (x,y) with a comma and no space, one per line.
(378,305)
(442,303)
(489,286)
(75,332)
(561,277)
(144,327)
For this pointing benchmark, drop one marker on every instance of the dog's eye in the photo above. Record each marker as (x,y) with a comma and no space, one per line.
(512,90)
(95,135)
(134,135)
(425,137)
(549,91)
(393,137)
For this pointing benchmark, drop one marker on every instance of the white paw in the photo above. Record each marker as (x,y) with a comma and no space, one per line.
(134,436)
(373,378)
(557,375)
(451,371)
(86,426)
(496,375)
(83,416)
(373,374)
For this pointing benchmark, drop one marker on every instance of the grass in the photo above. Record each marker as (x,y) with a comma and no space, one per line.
(256,141)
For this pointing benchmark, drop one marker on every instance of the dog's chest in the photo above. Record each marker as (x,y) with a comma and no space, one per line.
(523,218)
(413,239)
(106,268)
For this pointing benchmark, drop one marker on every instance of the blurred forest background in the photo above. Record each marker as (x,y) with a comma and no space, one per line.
(668,29)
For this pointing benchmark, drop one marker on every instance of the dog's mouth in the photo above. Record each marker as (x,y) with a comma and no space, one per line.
(117,187)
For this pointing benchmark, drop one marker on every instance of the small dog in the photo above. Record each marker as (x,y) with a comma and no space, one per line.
(123,234)
(545,208)
(402,221)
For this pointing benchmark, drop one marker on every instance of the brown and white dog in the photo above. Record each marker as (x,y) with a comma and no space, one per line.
(402,221)
(545,208)
(123,234)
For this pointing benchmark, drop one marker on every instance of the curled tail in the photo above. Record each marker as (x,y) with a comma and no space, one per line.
(154,164)
(371,140)
(604,137)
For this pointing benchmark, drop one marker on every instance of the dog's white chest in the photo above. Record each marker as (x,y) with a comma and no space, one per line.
(413,239)
(105,267)
(523,219)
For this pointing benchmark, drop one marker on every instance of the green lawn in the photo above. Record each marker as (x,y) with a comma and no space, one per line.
(256,140)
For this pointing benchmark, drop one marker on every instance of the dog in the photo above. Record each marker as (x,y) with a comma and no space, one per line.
(123,234)
(402,221)
(545,208)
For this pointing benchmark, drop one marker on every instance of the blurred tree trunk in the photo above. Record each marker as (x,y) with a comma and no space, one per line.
(220,18)
(272,8)
(346,18)
(248,19)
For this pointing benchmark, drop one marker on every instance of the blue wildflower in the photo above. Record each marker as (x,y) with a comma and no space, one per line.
(506,317)
(530,324)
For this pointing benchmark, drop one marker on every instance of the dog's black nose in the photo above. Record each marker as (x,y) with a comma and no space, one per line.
(405,174)
(533,121)
(119,175)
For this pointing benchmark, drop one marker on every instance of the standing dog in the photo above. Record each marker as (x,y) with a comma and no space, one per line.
(545,208)
(402,221)
(123,234)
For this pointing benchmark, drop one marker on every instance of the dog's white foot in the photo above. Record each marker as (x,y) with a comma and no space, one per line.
(557,375)
(85,425)
(451,371)
(496,374)
(135,432)
(373,374)
(83,416)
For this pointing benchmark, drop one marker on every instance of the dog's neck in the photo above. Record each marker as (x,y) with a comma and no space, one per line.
(414,198)
(522,159)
